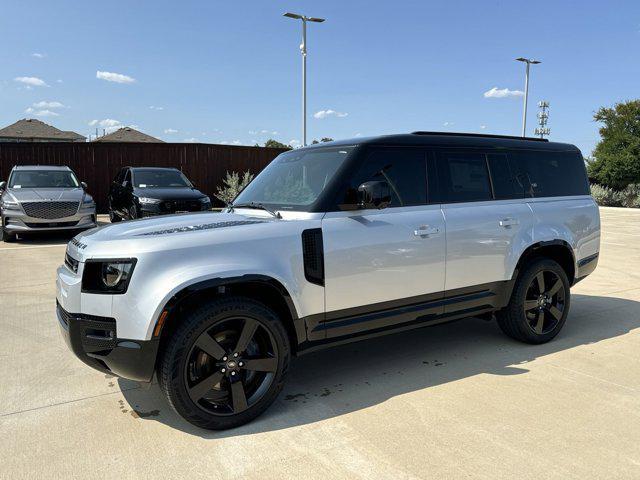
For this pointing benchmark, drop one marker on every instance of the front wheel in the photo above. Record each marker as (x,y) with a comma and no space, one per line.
(539,303)
(226,363)
(113,216)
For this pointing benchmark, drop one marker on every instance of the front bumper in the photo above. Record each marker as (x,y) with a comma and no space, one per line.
(17,221)
(94,340)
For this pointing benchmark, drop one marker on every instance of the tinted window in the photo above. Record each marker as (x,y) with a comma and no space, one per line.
(552,174)
(506,183)
(404,169)
(156,178)
(127,177)
(464,177)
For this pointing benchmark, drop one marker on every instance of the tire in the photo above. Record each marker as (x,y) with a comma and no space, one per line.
(8,237)
(202,379)
(113,216)
(133,212)
(535,315)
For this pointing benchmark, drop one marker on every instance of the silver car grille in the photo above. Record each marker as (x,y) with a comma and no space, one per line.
(50,210)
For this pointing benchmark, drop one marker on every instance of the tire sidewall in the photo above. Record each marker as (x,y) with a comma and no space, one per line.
(520,292)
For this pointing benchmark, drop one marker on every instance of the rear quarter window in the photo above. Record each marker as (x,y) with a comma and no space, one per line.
(552,174)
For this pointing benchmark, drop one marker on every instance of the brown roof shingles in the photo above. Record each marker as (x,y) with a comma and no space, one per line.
(128,134)
(35,129)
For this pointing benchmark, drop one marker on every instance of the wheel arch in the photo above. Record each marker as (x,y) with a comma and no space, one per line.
(558,250)
(263,288)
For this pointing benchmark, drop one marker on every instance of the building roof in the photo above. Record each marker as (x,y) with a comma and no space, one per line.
(29,128)
(128,134)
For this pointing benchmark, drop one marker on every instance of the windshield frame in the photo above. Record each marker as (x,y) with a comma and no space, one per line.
(325,195)
(74,177)
(136,171)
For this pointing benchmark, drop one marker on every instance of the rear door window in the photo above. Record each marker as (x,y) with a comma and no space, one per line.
(504,178)
(464,177)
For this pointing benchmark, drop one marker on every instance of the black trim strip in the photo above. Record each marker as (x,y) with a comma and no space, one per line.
(589,259)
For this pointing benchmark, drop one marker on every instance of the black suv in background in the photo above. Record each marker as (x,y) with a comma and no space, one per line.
(145,192)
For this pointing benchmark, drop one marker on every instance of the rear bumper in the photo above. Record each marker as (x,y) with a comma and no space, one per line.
(94,341)
(586,266)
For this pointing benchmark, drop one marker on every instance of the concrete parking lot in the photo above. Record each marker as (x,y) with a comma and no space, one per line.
(459,400)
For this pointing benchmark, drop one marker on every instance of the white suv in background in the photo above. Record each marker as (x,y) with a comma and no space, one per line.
(331,243)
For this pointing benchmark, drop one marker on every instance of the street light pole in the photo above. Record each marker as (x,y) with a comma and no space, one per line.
(529,62)
(303,51)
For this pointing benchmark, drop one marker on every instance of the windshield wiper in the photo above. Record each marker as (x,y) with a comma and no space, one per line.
(258,206)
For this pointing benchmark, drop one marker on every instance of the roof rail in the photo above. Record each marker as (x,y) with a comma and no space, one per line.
(480,135)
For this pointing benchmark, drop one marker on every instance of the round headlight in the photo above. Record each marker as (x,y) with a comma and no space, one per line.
(112,274)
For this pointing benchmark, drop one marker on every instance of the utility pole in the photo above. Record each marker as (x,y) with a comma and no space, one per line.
(303,51)
(529,62)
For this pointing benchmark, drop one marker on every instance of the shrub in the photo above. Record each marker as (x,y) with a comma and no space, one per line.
(606,197)
(233,185)
(631,196)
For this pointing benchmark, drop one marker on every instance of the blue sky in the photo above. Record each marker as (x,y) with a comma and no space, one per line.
(229,71)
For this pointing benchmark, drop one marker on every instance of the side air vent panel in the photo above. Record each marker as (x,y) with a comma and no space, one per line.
(313,256)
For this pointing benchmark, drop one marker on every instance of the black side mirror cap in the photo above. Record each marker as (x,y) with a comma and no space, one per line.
(3,185)
(84,185)
(374,194)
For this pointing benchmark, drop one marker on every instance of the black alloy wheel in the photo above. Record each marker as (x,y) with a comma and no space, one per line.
(231,366)
(225,363)
(544,302)
(539,303)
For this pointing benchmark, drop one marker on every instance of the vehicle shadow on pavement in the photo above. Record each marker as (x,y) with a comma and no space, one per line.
(352,377)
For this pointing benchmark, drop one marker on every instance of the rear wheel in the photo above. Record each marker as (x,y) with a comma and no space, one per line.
(539,303)
(226,363)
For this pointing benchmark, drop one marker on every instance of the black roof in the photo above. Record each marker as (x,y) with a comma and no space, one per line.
(449,139)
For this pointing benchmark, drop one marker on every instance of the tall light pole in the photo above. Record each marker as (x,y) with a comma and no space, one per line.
(303,51)
(529,62)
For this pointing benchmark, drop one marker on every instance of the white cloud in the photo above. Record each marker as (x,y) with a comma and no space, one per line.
(44,104)
(170,130)
(482,127)
(190,140)
(108,124)
(496,92)
(31,81)
(263,132)
(153,107)
(114,77)
(38,55)
(329,113)
(59,80)
(358,134)
(294,143)
(41,113)
(448,124)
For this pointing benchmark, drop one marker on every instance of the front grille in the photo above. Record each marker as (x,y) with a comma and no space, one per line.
(50,209)
(50,224)
(171,206)
(71,263)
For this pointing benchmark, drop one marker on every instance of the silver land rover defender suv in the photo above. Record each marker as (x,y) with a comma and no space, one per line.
(331,243)
(44,198)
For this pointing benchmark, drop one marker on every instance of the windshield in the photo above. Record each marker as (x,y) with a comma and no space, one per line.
(295,179)
(160,178)
(43,179)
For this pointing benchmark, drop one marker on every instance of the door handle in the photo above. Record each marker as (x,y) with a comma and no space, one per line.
(426,231)
(508,222)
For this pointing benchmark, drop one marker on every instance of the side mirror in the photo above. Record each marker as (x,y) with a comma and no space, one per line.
(3,185)
(84,185)
(375,194)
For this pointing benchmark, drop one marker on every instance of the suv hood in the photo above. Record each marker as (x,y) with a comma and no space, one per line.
(175,193)
(46,194)
(170,226)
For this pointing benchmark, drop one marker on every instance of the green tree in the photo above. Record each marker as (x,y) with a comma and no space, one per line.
(232,185)
(271,143)
(323,139)
(616,158)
